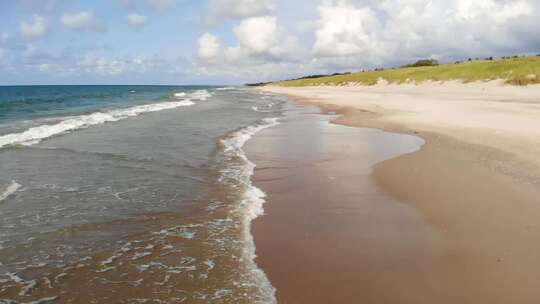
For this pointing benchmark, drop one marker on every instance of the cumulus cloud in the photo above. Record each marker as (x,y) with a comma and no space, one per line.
(257,35)
(276,39)
(378,32)
(345,30)
(37,28)
(348,35)
(136,20)
(238,9)
(208,47)
(81,21)
(262,50)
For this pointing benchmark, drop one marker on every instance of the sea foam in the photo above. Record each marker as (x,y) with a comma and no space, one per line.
(12,188)
(200,95)
(36,134)
(252,199)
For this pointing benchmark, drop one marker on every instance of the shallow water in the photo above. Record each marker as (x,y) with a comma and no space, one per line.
(330,234)
(125,199)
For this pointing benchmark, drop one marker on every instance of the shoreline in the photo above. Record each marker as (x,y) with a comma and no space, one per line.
(480,199)
(167,221)
(498,118)
(313,173)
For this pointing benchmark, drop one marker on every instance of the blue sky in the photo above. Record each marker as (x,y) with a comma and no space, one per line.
(236,41)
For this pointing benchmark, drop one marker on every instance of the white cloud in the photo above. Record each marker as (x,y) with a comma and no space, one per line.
(80,21)
(280,38)
(35,29)
(498,11)
(383,32)
(208,47)
(345,30)
(262,50)
(102,66)
(349,35)
(238,9)
(136,20)
(257,35)
(109,67)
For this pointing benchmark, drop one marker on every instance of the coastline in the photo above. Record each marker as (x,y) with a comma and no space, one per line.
(479,198)
(153,209)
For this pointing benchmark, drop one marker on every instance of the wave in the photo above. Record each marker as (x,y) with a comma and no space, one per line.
(268,108)
(36,134)
(12,188)
(252,199)
(195,95)
(199,95)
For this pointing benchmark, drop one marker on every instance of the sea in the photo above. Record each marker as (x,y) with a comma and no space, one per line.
(130,194)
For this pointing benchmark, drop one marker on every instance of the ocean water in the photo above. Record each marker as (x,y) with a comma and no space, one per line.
(130,194)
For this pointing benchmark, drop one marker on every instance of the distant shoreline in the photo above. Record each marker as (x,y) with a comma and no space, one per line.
(514,70)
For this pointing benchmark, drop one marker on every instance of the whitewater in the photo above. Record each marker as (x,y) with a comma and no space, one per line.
(35,135)
(157,208)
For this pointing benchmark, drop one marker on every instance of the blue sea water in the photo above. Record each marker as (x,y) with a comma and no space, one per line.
(130,186)
(31,102)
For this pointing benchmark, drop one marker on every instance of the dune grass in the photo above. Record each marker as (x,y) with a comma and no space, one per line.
(517,71)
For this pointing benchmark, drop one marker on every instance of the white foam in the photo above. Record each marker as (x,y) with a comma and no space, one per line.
(252,200)
(30,285)
(200,95)
(140,255)
(268,108)
(36,134)
(14,277)
(44,300)
(12,188)
(180,95)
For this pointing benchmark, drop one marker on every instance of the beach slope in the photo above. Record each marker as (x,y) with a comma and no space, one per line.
(474,185)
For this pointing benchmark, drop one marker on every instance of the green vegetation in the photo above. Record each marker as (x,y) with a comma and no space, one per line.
(421,63)
(514,70)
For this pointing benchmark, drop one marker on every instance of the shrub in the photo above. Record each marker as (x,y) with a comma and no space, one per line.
(422,63)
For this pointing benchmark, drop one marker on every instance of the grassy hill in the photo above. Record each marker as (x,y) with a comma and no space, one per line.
(516,70)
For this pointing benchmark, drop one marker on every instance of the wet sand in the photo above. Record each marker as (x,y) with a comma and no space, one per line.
(328,228)
(455,222)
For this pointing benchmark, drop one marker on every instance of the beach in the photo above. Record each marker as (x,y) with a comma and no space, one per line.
(454,221)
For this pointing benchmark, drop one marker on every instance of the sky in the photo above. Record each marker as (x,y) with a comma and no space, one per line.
(238,41)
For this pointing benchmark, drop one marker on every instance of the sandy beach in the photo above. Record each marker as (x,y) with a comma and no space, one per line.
(473,185)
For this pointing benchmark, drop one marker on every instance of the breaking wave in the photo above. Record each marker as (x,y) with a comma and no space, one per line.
(252,199)
(36,134)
